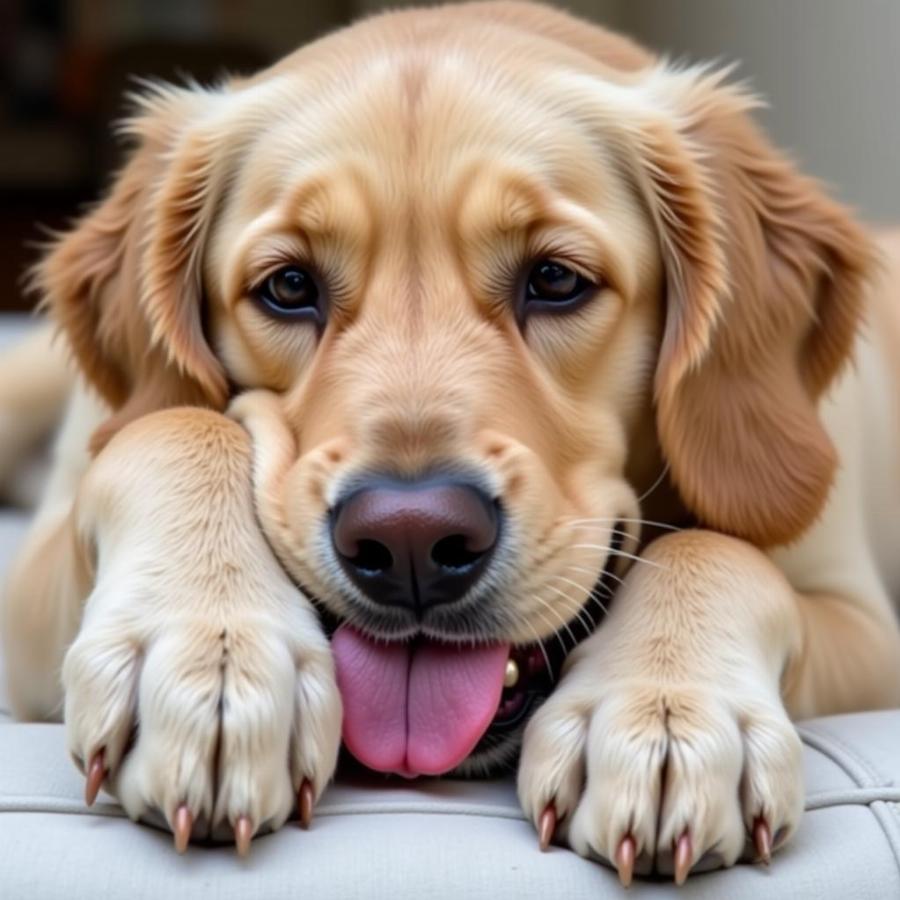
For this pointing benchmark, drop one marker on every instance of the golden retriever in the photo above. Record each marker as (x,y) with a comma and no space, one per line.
(448,324)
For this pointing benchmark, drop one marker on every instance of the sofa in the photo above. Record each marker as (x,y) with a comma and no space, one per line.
(381,838)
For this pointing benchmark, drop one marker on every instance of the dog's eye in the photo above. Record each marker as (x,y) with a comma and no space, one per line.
(553,284)
(291,291)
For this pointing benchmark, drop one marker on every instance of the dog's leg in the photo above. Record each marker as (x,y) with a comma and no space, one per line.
(50,575)
(192,629)
(667,738)
(35,382)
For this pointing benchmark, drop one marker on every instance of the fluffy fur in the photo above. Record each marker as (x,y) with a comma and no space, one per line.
(417,162)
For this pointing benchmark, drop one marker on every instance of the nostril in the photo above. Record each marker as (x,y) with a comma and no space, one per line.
(372,557)
(415,544)
(452,552)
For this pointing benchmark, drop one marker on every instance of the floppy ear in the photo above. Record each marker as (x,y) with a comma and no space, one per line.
(125,284)
(765,279)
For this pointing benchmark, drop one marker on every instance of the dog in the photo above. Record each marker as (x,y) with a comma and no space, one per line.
(470,385)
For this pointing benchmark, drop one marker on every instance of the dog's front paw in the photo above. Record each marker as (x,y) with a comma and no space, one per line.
(219,713)
(661,778)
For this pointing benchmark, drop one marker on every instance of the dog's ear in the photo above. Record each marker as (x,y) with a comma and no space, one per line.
(765,278)
(125,283)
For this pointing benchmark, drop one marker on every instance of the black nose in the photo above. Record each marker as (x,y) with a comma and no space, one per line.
(415,544)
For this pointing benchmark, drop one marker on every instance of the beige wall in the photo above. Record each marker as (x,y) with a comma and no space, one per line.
(830,70)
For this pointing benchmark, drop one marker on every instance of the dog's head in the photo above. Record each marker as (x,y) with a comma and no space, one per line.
(477,277)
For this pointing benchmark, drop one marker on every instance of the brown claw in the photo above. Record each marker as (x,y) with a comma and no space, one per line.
(625,860)
(96,772)
(181,827)
(546,826)
(683,854)
(762,840)
(306,800)
(243,834)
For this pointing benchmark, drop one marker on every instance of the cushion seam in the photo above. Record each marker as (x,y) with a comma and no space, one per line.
(880,811)
(859,797)
(821,800)
(841,754)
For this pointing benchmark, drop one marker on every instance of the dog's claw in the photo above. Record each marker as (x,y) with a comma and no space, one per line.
(625,860)
(182,825)
(243,834)
(683,854)
(546,826)
(96,772)
(762,840)
(306,800)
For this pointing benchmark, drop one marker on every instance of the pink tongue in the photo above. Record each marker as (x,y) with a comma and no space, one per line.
(416,709)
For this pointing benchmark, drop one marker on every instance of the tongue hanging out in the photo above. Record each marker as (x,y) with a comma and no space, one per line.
(419,708)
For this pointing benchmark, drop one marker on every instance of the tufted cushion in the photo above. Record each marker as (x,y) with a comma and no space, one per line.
(427,839)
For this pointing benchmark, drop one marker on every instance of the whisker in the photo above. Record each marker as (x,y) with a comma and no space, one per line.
(556,612)
(655,485)
(598,585)
(549,622)
(666,525)
(613,551)
(610,574)
(581,610)
(543,649)
(627,535)
(591,593)
(603,525)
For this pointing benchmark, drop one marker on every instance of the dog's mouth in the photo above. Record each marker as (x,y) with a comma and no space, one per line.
(426,707)
(416,708)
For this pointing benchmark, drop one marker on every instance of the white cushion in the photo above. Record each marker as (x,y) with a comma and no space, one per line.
(378,838)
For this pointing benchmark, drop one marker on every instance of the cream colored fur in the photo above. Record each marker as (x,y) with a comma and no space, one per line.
(153,586)
(166,599)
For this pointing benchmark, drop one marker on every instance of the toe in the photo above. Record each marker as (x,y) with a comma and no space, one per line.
(100,674)
(702,790)
(551,768)
(254,745)
(173,759)
(317,714)
(772,785)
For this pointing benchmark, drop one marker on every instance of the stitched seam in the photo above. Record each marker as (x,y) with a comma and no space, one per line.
(113,812)
(831,741)
(107,811)
(890,808)
(405,809)
(815,802)
(110,810)
(836,750)
(859,797)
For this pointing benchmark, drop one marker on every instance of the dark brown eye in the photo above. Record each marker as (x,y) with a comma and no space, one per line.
(552,283)
(291,292)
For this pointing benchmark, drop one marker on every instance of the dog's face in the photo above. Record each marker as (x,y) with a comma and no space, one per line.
(490,290)
(464,311)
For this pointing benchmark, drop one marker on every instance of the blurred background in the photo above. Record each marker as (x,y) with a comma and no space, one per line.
(830,70)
